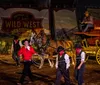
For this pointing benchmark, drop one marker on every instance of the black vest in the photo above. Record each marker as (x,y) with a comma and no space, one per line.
(78,58)
(61,62)
(16,46)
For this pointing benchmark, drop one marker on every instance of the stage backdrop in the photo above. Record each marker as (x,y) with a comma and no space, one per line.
(63,18)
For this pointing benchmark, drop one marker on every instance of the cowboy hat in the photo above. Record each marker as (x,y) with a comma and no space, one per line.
(15,37)
(86,12)
(60,48)
(25,40)
(78,45)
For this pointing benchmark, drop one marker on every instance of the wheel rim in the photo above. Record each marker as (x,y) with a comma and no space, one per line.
(98,56)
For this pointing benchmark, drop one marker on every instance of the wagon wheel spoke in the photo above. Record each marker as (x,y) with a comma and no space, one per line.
(98,56)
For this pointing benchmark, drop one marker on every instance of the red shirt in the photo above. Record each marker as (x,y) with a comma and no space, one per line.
(27,54)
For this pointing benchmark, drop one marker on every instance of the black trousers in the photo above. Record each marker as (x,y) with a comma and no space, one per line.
(65,74)
(26,71)
(16,57)
(79,74)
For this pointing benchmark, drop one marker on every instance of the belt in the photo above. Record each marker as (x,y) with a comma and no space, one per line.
(27,60)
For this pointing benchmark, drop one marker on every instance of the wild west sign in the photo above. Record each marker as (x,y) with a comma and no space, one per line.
(20,21)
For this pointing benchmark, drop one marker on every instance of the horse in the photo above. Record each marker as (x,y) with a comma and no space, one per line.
(37,40)
(67,44)
(47,47)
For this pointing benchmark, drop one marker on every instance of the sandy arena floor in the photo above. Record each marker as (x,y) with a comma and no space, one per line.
(10,73)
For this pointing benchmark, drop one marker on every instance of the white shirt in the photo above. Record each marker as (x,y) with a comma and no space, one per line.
(83,56)
(28,47)
(67,61)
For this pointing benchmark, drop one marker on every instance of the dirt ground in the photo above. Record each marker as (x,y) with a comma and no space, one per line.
(10,73)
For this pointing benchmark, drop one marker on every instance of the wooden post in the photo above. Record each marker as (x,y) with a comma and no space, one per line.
(51,21)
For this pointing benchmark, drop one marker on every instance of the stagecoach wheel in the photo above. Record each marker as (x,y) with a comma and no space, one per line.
(98,56)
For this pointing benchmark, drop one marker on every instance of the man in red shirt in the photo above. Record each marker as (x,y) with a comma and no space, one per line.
(26,52)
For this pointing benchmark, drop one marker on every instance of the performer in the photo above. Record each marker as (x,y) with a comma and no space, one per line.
(62,66)
(14,50)
(26,52)
(80,65)
(87,22)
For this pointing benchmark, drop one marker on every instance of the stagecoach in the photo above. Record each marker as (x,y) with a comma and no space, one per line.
(91,41)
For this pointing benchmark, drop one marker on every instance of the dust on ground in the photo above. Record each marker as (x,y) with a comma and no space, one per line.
(10,73)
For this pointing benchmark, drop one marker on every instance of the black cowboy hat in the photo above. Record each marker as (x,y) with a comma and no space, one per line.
(25,40)
(78,45)
(15,37)
(60,48)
